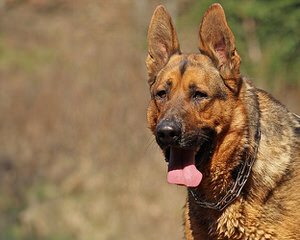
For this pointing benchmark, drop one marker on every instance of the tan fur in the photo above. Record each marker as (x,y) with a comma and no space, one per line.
(228,104)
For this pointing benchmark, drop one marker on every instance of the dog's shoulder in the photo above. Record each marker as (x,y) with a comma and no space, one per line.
(276,172)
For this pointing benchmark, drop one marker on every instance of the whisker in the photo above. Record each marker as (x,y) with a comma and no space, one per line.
(149,144)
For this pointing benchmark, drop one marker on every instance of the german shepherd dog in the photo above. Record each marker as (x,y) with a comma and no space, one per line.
(235,148)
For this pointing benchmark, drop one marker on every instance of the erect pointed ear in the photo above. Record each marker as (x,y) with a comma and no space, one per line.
(162,42)
(217,41)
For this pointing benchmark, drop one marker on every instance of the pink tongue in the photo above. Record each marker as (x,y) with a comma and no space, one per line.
(182,169)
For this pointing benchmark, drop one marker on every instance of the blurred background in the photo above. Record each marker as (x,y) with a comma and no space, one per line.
(76,158)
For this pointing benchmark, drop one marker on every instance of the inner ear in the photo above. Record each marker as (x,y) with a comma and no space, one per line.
(220,49)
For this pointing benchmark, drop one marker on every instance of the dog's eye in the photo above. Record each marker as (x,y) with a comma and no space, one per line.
(198,95)
(161,94)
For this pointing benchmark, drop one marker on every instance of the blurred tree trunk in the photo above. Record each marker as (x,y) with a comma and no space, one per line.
(141,13)
(254,49)
(2,4)
(145,8)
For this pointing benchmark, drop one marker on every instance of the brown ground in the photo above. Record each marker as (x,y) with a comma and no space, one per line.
(76,158)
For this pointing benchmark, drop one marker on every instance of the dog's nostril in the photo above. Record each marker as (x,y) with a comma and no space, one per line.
(168,132)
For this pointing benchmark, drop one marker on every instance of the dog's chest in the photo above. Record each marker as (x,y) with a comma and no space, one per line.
(233,225)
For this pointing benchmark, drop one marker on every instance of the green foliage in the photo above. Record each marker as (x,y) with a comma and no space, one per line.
(272,27)
(27,60)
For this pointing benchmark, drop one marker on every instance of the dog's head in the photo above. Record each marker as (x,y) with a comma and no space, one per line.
(192,95)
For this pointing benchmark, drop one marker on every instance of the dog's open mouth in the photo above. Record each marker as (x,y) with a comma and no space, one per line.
(182,167)
(184,163)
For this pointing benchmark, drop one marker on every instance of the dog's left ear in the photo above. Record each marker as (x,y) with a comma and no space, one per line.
(217,41)
(162,42)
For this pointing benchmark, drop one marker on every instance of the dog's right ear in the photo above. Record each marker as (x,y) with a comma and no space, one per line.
(162,42)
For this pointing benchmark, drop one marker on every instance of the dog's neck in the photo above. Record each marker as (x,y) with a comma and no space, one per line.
(220,188)
(269,171)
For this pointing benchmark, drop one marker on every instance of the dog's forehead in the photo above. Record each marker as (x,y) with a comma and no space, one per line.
(182,60)
(189,69)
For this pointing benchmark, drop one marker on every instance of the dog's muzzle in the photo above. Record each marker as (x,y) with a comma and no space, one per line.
(181,160)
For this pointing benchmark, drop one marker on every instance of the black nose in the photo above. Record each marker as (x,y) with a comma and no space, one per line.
(168,132)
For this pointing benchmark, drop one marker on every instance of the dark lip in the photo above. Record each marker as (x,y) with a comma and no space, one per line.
(167,150)
(205,152)
(203,147)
